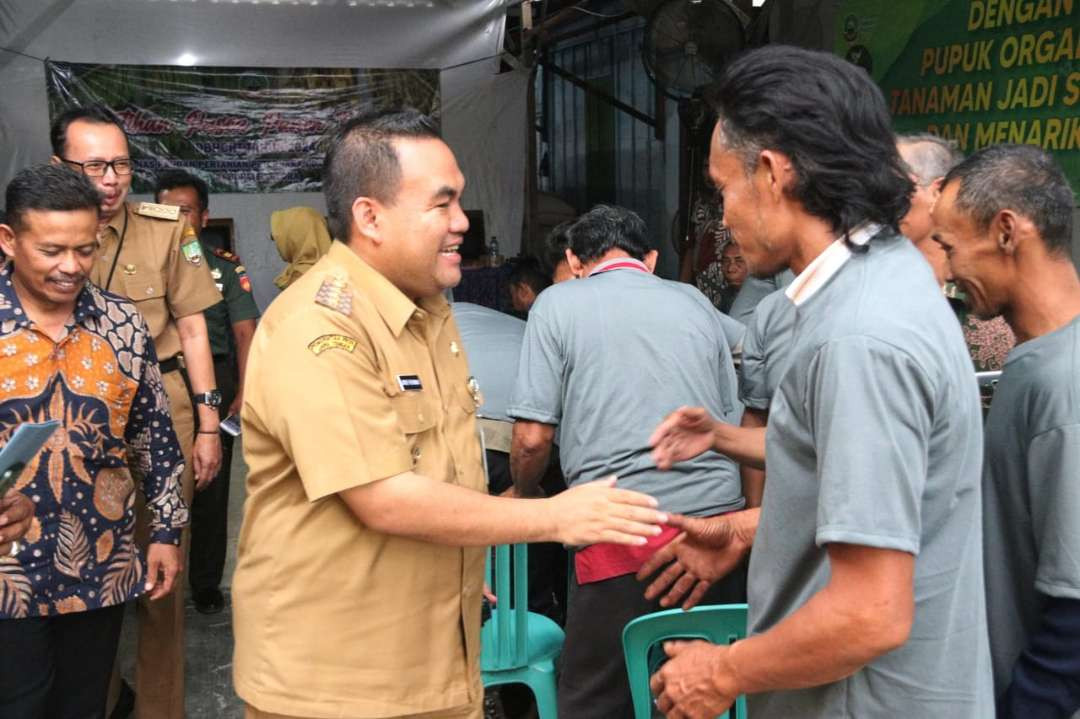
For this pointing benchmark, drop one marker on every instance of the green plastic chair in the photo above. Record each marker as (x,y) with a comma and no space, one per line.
(719,624)
(518,646)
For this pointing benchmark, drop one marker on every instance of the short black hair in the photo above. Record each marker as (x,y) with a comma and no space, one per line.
(1022,178)
(98,114)
(555,245)
(527,270)
(830,119)
(361,161)
(49,188)
(607,227)
(171,179)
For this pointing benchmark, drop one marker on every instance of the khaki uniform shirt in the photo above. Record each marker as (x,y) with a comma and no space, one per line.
(158,269)
(350,382)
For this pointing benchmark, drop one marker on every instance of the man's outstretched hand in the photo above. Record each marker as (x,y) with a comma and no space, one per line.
(704,552)
(683,435)
(599,512)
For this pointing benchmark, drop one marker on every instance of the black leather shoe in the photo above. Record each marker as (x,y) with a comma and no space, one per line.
(125,703)
(209,601)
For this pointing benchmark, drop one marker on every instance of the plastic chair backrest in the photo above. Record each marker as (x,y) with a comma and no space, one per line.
(719,624)
(509,580)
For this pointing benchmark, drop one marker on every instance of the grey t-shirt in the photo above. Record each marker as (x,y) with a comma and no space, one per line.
(875,439)
(754,290)
(1031,485)
(492,342)
(607,358)
(734,331)
(765,350)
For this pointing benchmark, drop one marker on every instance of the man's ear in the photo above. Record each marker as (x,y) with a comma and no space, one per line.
(778,172)
(1004,227)
(55,160)
(935,188)
(650,260)
(366,215)
(7,240)
(577,269)
(204,216)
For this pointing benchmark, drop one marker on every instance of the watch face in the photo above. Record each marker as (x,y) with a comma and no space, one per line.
(210,399)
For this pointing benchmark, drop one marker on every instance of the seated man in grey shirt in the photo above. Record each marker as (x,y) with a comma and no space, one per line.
(492,342)
(865,586)
(1004,220)
(605,358)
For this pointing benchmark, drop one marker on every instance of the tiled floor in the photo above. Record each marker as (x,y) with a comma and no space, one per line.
(209,687)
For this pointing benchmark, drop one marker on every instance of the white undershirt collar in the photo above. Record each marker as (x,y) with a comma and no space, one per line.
(828,263)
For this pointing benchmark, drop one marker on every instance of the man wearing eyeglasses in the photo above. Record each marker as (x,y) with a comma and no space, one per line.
(152,256)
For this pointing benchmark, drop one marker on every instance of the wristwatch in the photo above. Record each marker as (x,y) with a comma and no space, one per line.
(210,399)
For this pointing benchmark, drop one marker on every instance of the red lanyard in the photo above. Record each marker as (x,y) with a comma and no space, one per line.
(627,264)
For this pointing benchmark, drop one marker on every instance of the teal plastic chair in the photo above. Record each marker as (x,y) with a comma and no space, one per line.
(518,646)
(719,624)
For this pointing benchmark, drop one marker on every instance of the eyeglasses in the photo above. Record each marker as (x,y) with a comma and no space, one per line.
(98,168)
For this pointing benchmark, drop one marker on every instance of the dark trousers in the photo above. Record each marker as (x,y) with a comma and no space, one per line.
(58,667)
(210,509)
(593,680)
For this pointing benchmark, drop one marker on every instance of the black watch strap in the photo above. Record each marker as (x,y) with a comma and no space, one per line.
(210,399)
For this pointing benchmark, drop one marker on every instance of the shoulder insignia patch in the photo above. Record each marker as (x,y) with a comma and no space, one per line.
(242,278)
(335,293)
(225,255)
(331,342)
(190,247)
(157,211)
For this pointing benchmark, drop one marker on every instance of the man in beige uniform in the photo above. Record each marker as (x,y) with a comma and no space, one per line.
(152,257)
(357,588)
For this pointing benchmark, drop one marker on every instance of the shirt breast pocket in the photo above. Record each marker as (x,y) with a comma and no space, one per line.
(144,286)
(416,418)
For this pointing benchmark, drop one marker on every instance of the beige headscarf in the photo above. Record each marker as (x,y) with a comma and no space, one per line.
(302,237)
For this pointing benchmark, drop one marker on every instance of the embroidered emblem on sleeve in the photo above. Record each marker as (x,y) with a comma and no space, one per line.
(332,342)
(189,245)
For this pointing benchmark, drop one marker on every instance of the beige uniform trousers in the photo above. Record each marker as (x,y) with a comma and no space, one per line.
(471,711)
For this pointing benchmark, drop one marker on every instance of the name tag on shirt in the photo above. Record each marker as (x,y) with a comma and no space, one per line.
(409,383)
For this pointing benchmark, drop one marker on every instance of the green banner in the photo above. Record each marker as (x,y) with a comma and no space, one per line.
(240,129)
(980,72)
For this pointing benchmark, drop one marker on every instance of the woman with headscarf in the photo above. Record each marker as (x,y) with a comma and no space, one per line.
(302,237)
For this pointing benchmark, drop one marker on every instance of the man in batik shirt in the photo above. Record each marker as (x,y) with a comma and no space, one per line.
(71,352)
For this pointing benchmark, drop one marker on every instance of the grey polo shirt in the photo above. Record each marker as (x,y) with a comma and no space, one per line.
(1031,484)
(765,350)
(753,291)
(492,342)
(607,358)
(875,439)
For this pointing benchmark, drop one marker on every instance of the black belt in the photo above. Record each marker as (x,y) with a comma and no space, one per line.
(174,363)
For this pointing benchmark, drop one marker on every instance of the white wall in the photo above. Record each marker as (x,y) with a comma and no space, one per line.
(157,32)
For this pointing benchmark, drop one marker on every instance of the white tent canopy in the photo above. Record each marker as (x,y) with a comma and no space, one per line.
(483,114)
